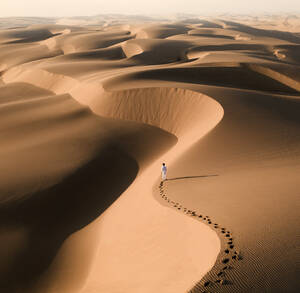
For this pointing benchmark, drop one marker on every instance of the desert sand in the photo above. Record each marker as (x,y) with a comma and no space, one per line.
(90,108)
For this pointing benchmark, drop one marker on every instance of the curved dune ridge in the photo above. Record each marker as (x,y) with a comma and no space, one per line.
(175,110)
(88,113)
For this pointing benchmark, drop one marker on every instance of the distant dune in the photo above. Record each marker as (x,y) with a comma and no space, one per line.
(89,109)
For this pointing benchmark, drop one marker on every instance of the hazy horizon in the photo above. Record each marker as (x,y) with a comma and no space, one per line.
(71,8)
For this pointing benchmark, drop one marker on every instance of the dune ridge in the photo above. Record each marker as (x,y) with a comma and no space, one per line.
(283,78)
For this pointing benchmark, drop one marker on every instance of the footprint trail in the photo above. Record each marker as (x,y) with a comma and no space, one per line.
(220,274)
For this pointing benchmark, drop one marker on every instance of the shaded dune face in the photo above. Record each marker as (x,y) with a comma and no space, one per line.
(25,35)
(71,43)
(155,51)
(66,156)
(84,113)
(111,53)
(79,204)
(161,31)
(285,36)
(233,76)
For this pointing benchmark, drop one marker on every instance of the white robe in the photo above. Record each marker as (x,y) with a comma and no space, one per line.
(164,173)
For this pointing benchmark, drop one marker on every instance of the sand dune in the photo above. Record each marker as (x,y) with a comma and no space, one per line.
(89,111)
(161,31)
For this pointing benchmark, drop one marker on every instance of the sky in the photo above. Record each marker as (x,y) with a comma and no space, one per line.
(61,8)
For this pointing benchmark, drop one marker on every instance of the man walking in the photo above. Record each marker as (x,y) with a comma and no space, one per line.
(164,172)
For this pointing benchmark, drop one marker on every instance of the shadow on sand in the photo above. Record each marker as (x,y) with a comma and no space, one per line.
(190,177)
(52,215)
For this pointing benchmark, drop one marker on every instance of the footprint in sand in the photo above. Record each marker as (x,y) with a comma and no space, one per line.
(238,255)
(222,281)
(226,268)
(225,260)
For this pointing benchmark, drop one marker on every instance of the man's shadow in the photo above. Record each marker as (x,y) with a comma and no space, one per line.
(190,177)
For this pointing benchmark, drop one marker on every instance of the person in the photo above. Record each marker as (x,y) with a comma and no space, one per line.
(164,172)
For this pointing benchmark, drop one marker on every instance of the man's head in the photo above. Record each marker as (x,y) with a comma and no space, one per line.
(164,164)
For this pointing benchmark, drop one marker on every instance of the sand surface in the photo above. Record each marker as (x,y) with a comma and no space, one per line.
(90,108)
